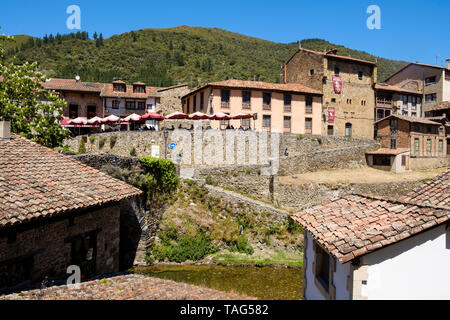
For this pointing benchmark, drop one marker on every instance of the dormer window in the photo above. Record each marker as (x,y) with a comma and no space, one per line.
(119,88)
(138,87)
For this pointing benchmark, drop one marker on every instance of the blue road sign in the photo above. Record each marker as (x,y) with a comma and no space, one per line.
(172,145)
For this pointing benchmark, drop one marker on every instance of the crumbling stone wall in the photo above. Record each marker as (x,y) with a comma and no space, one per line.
(170,98)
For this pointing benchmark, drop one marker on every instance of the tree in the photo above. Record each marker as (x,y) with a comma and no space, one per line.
(34,112)
(95,36)
(99,41)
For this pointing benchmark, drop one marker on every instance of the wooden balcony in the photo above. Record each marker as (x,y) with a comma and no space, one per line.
(384,103)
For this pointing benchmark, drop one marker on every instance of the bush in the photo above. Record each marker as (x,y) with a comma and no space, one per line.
(101,142)
(210,181)
(133,152)
(241,245)
(112,141)
(300,137)
(294,227)
(92,139)
(164,172)
(81,147)
(187,248)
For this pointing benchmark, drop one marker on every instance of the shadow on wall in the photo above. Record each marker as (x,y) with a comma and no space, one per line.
(131,228)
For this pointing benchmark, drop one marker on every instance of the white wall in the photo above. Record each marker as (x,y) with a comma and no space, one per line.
(446,95)
(415,268)
(339,278)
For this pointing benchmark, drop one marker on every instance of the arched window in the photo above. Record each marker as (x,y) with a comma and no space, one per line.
(348,129)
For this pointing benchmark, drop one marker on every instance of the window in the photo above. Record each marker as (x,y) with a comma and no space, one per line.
(380,114)
(349,101)
(430,81)
(194,104)
(309,103)
(266,121)
(245,123)
(405,100)
(348,129)
(188,105)
(267,99)
(428,129)
(336,70)
(416,144)
(202,101)
(138,90)
(413,114)
(83,254)
(333,100)
(311,72)
(322,266)
(393,124)
(360,75)
(330,130)
(115,104)
(119,88)
(130,105)
(428,145)
(441,145)
(381,160)
(92,112)
(73,111)
(404,161)
(308,125)
(141,105)
(287,123)
(246,97)
(287,102)
(225,98)
(393,143)
(363,102)
(431,97)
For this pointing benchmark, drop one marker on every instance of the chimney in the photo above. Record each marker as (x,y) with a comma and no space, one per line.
(5,130)
(448,64)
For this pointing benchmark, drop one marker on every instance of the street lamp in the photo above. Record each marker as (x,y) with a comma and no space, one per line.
(166,135)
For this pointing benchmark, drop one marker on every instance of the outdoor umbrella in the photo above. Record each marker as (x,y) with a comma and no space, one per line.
(78,121)
(242,116)
(177,115)
(221,116)
(198,116)
(153,116)
(95,120)
(132,118)
(111,119)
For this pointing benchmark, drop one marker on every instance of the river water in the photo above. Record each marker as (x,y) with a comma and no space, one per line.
(267,283)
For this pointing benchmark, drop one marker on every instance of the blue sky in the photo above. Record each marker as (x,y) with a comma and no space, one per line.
(410,30)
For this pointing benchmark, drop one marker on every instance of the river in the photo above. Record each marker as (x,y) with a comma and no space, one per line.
(266,283)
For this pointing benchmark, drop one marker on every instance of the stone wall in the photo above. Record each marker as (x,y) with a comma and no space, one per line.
(170,98)
(49,244)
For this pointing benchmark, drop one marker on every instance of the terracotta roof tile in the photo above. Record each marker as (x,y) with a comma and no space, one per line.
(355,224)
(38,182)
(411,119)
(389,151)
(387,87)
(441,106)
(72,85)
(108,92)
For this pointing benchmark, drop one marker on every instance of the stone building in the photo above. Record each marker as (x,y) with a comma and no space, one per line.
(170,98)
(432,82)
(55,212)
(360,247)
(347,85)
(395,100)
(409,143)
(290,108)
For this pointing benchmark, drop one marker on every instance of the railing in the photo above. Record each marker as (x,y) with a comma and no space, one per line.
(287,109)
(246,105)
(384,102)
(225,104)
(266,107)
(308,110)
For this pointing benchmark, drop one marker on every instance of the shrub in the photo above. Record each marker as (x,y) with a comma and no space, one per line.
(294,227)
(164,172)
(133,152)
(92,139)
(187,248)
(112,141)
(300,137)
(241,245)
(81,147)
(210,181)
(101,142)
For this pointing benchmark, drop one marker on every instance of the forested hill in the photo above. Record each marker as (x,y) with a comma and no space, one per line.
(163,57)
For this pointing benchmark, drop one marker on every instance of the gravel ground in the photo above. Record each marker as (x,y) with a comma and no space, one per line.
(127,287)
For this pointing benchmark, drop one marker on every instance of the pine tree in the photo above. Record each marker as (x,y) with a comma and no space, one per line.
(95,36)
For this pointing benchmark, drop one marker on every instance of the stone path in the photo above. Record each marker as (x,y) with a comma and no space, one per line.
(127,287)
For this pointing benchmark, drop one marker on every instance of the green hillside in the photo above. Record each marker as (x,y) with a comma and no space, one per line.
(163,57)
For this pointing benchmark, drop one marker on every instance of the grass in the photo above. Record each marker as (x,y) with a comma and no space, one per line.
(276,257)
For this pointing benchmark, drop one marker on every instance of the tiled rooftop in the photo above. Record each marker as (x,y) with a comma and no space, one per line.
(291,87)
(37,182)
(411,119)
(72,85)
(435,192)
(355,225)
(108,92)
(387,87)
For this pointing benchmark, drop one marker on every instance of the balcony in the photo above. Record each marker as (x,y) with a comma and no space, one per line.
(287,108)
(110,110)
(246,105)
(225,104)
(308,110)
(267,107)
(384,103)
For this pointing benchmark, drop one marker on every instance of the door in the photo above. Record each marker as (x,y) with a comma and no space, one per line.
(84,252)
